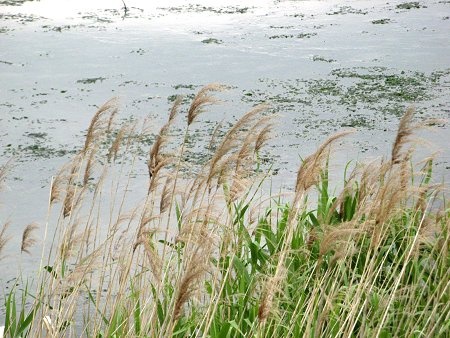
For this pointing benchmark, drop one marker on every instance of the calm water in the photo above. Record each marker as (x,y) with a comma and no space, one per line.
(322,65)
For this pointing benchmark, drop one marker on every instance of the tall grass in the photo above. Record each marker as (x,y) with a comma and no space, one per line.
(206,254)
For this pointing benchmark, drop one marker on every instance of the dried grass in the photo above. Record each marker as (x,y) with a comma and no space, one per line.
(202,100)
(100,123)
(4,238)
(404,132)
(140,275)
(308,174)
(27,237)
(194,270)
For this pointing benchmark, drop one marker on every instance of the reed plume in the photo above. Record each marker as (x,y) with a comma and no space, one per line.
(89,165)
(114,148)
(194,270)
(68,201)
(214,136)
(272,287)
(309,172)
(253,140)
(256,136)
(4,169)
(84,266)
(175,108)
(101,122)
(392,184)
(57,185)
(220,162)
(334,236)
(199,241)
(27,238)
(146,218)
(405,169)
(151,253)
(4,238)
(157,160)
(263,137)
(241,161)
(70,241)
(405,130)
(201,100)
(195,225)
(166,196)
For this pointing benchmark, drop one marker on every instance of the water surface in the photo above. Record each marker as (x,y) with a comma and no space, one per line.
(322,65)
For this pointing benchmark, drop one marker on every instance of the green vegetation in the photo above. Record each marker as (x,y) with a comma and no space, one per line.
(293,36)
(321,58)
(91,80)
(410,5)
(206,253)
(381,21)
(384,92)
(41,146)
(197,8)
(212,41)
(38,151)
(347,10)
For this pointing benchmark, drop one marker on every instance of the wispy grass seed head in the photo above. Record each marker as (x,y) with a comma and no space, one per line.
(201,100)
(4,238)
(100,123)
(309,172)
(27,237)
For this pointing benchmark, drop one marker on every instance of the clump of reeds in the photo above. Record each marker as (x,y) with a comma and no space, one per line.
(191,259)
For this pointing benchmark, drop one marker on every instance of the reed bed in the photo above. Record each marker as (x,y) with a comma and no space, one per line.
(206,254)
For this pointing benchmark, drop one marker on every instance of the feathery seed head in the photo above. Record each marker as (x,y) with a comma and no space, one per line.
(203,99)
(27,239)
